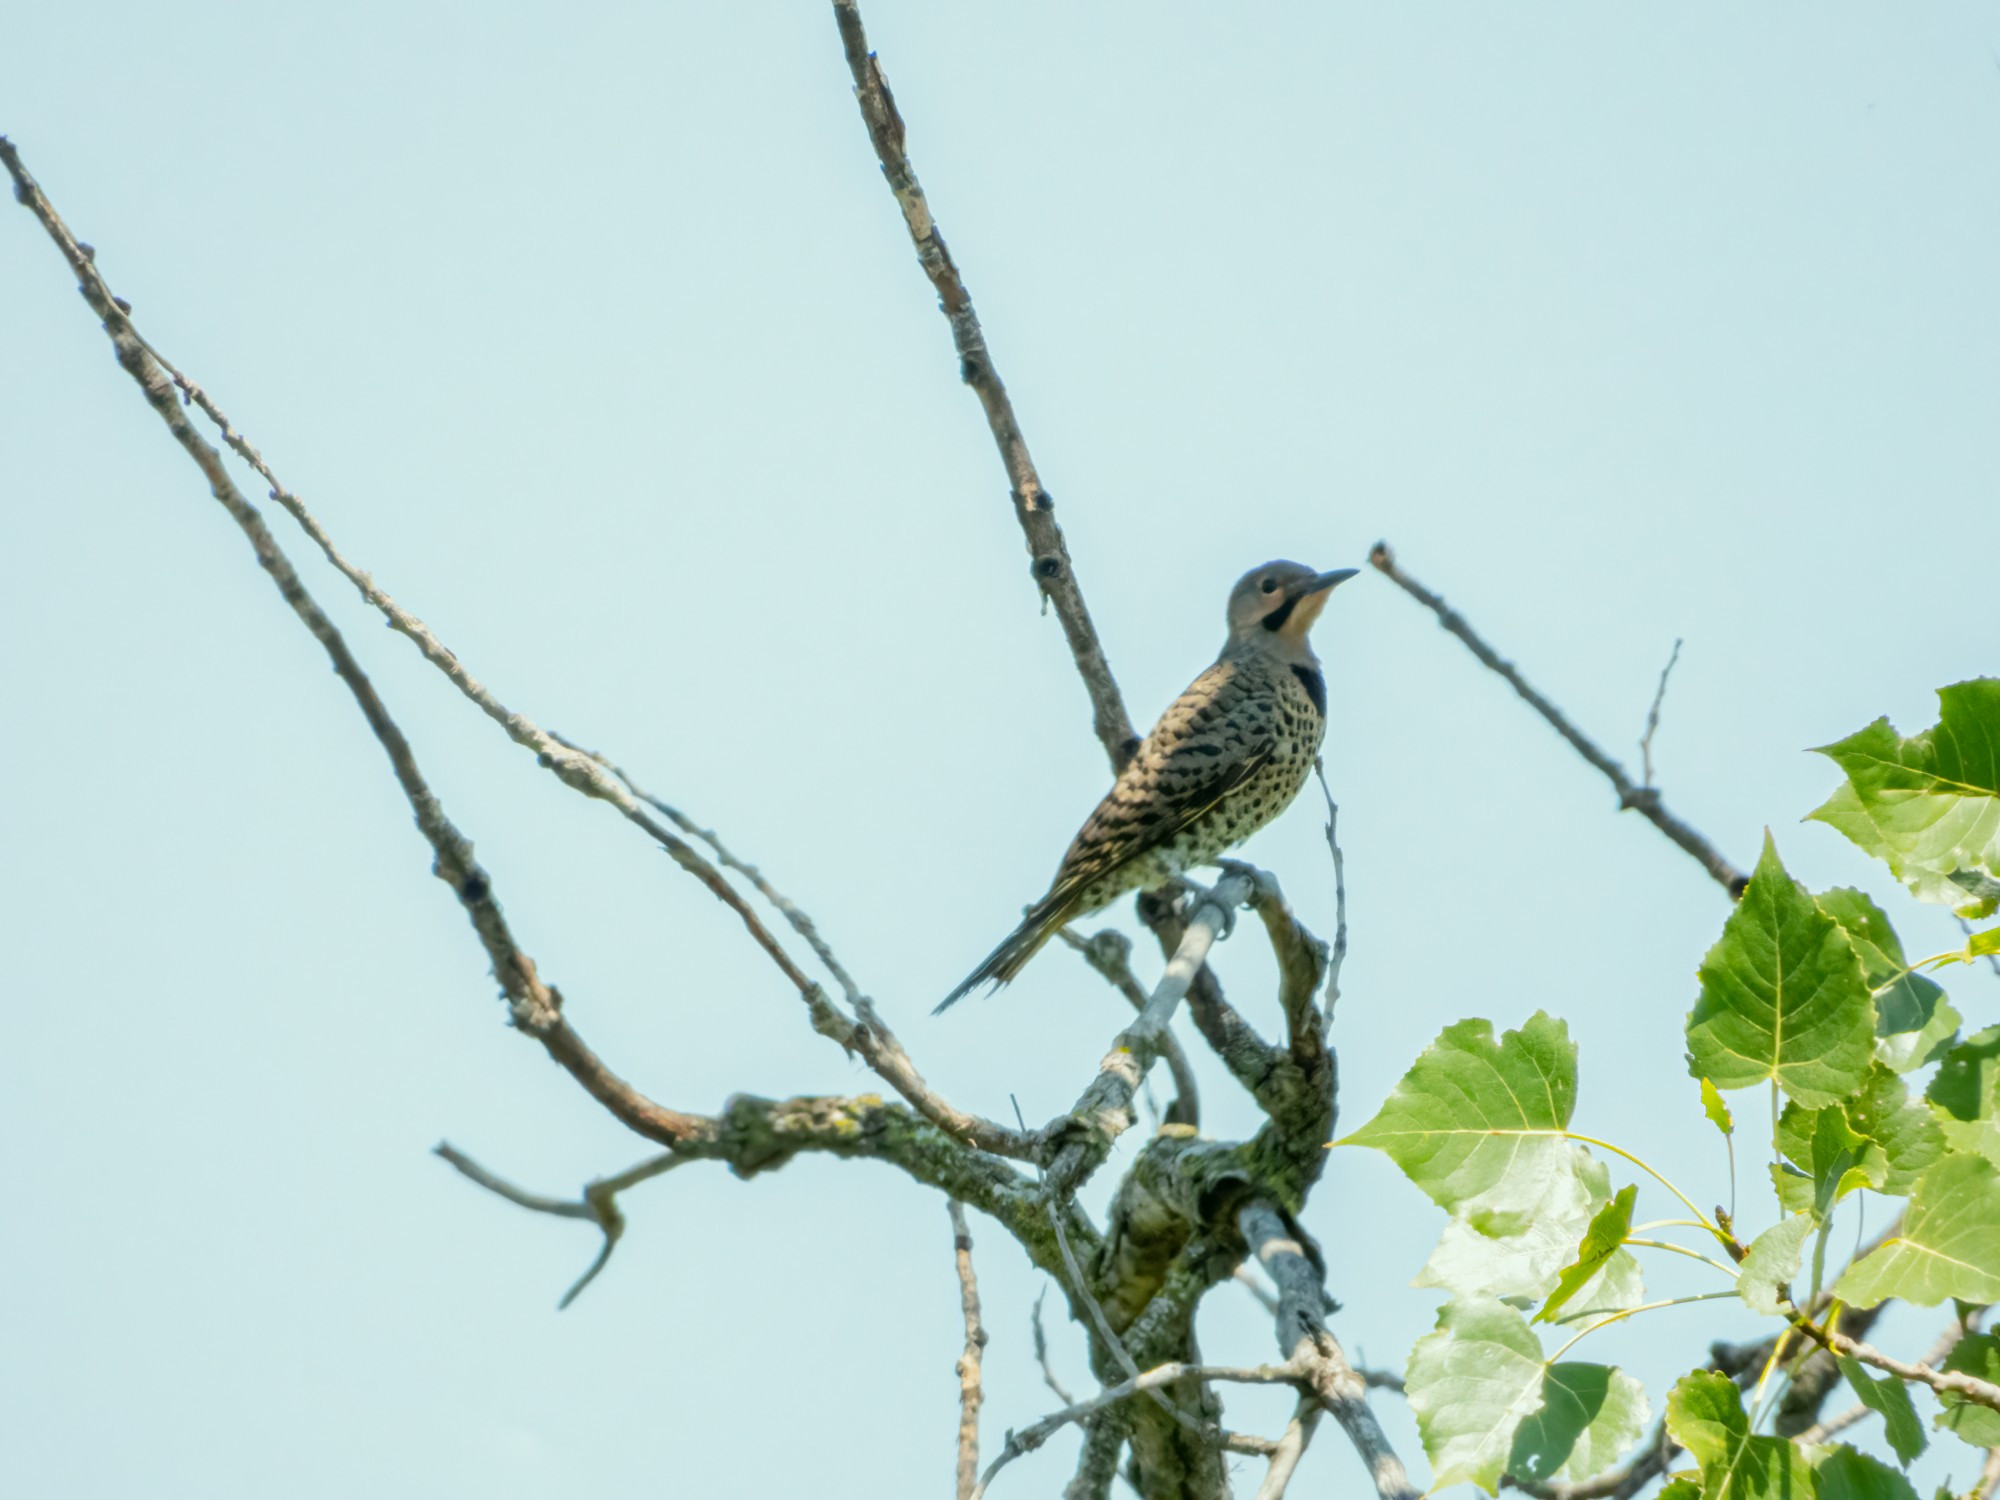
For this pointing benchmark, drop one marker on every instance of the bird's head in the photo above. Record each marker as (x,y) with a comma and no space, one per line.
(1277,604)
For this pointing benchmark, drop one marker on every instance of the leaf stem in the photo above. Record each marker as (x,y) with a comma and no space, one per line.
(1729,1271)
(1757,1411)
(1624,1313)
(1702,1219)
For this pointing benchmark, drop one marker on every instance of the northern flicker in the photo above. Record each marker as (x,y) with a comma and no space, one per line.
(1224,760)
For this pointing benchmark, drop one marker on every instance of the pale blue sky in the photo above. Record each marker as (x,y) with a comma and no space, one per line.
(596,337)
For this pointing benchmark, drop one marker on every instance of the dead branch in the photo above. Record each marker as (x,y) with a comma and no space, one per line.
(1109,952)
(599,1202)
(1339,954)
(1033,506)
(1104,1110)
(968,1362)
(1312,1349)
(1653,716)
(1644,799)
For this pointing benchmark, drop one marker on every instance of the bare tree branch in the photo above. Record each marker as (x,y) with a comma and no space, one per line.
(1029,1438)
(800,921)
(1312,1348)
(1339,955)
(1033,506)
(599,1202)
(581,771)
(1251,1061)
(1645,800)
(1253,1284)
(1302,964)
(1653,716)
(1110,953)
(1041,1338)
(536,1007)
(1105,1108)
(1291,1448)
(968,1362)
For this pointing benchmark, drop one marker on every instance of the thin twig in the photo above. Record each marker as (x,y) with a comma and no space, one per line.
(1033,506)
(1646,800)
(579,770)
(535,1006)
(1339,955)
(1266,1299)
(1031,1437)
(800,921)
(1291,1448)
(1820,1432)
(1042,1353)
(1653,716)
(968,1362)
(599,1202)
(869,1036)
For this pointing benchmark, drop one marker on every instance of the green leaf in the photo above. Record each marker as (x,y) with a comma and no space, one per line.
(1589,1416)
(1981,944)
(1680,1489)
(1929,804)
(1471,1384)
(1921,1036)
(1965,1095)
(1913,1020)
(1976,1354)
(1717,1111)
(1835,1159)
(1772,1263)
(1782,996)
(1617,1287)
(1845,1474)
(1705,1416)
(1906,1134)
(1479,1125)
(1601,1239)
(1891,1398)
(1949,1247)
(1520,1259)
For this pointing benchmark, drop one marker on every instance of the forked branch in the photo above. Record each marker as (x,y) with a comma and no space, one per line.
(1644,800)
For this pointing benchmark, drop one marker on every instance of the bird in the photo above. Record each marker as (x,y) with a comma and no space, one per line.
(1225,759)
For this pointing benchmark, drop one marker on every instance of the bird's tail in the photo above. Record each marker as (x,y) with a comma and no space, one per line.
(1044,920)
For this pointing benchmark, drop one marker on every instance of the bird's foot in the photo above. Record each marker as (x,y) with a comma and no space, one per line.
(1264,885)
(1196,895)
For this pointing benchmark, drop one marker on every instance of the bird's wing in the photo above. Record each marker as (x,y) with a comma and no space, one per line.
(1159,796)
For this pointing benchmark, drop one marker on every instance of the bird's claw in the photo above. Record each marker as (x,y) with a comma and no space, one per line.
(1204,895)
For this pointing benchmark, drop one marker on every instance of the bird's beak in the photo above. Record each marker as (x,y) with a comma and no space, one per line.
(1319,583)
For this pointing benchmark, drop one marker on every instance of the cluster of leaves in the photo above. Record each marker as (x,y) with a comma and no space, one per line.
(1812,997)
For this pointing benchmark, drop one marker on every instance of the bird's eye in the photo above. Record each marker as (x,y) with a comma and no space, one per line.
(1269,585)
